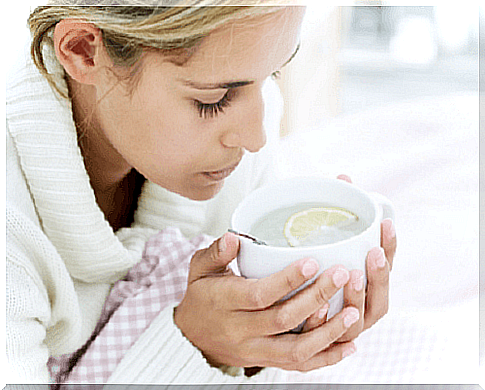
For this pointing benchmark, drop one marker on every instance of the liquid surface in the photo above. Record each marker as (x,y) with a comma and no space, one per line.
(274,229)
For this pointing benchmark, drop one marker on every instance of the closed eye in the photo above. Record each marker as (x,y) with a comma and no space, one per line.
(210,110)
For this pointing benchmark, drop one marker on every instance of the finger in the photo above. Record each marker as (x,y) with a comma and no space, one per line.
(289,314)
(354,295)
(215,258)
(258,294)
(296,349)
(388,240)
(254,294)
(316,319)
(344,178)
(377,300)
(332,355)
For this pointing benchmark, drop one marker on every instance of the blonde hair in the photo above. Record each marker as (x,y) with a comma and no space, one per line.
(174,27)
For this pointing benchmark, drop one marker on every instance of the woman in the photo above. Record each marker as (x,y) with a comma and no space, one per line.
(170,97)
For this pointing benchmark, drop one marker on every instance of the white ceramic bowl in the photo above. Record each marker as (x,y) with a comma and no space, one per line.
(259,261)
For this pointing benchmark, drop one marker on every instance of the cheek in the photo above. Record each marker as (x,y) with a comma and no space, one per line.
(153,126)
(166,144)
(162,136)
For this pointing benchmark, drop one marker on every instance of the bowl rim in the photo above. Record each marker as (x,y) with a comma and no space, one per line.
(307,179)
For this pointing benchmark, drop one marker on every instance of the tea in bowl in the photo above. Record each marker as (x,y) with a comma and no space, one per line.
(329,220)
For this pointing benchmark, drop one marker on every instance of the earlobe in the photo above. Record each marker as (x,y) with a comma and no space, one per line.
(77,45)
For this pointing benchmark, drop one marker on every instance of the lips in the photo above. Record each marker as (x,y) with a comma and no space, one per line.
(221,174)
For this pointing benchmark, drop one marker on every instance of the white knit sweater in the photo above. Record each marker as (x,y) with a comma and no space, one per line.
(62,255)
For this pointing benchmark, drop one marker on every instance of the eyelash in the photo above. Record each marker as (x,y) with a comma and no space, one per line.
(212,109)
(276,75)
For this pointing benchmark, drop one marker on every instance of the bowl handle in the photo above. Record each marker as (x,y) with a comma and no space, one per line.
(386,206)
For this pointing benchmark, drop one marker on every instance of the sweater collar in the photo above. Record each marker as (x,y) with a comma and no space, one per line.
(43,128)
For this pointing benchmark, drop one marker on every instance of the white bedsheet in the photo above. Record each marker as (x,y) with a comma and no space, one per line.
(423,155)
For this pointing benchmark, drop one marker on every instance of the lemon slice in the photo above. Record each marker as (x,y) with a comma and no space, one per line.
(307,224)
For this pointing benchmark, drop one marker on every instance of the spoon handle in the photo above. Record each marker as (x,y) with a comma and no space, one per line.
(245,235)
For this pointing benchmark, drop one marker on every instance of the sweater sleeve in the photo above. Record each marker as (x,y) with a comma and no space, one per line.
(27,311)
(47,311)
(163,355)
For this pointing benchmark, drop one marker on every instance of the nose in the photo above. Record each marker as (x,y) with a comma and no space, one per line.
(246,129)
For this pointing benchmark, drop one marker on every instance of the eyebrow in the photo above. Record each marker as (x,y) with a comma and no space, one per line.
(233,84)
(292,56)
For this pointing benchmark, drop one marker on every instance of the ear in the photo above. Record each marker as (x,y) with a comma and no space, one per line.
(80,50)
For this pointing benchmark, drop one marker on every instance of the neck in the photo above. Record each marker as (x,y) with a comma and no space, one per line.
(107,169)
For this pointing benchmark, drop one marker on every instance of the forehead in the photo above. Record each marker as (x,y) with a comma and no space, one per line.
(249,49)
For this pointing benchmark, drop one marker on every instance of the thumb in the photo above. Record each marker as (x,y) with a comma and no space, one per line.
(215,258)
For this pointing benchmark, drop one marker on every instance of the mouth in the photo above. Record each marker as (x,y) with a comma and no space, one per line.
(221,174)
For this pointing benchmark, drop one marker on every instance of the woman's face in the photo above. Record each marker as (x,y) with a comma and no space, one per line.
(187,127)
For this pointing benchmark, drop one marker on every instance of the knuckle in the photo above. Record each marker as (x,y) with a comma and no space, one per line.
(298,356)
(351,335)
(283,319)
(381,277)
(212,256)
(290,283)
(255,298)
(321,296)
(346,337)
(335,331)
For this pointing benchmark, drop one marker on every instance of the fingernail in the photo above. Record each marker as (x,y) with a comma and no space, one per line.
(391,227)
(221,244)
(349,350)
(357,280)
(323,311)
(340,277)
(351,316)
(377,258)
(345,178)
(310,268)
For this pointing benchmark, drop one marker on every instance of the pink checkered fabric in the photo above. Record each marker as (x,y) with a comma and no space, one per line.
(157,281)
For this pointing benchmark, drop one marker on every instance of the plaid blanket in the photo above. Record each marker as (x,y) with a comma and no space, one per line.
(158,280)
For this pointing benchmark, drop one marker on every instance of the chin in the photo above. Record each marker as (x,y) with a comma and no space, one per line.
(205,193)
(200,193)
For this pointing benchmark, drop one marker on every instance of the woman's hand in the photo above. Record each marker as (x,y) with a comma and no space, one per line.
(239,322)
(373,303)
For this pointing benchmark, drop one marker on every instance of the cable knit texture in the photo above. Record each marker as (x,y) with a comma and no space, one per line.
(63,256)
